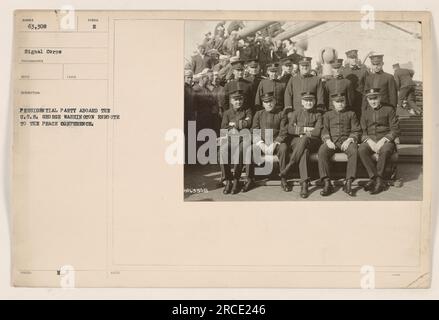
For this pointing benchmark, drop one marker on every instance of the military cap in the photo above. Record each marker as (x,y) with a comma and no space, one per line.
(305,61)
(308,95)
(236,94)
(269,96)
(396,65)
(272,66)
(252,63)
(237,65)
(340,96)
(373,92)
(294,58)
(376,58)
(352,53)
(337,63)
(286,61)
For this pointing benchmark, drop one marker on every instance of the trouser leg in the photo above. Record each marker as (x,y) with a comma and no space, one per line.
(303,166)
(352,153)
(247,152)
(402,96)
(238,161)
(366,158)
(298,147)
(226,172)
(384,156)
(282,154)
(411,99)
(309,145)
(325,155)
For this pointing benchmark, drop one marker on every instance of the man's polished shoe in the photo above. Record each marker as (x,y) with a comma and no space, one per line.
(369,185)
(236,185)
(284,185)
(328,189)
(304,193)
(228,187)
(250,184)
(347,188)
(284,172)
(379,186)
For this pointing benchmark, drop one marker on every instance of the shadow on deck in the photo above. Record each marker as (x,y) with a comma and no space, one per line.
(206,179)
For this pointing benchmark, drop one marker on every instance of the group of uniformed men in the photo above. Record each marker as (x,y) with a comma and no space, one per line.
(354,112)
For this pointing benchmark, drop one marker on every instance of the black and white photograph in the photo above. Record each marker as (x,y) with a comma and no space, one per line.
(303,110)
(280,152)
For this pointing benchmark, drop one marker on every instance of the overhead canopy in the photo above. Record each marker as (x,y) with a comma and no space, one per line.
(254,26)
(298,29)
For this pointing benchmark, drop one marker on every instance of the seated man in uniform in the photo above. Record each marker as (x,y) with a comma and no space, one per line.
(268,122)
(341,133)
(304,129)
(380,126)
(235,120)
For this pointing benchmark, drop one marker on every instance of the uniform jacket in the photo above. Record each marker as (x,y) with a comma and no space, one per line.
(274,120)
(341,125)
(188,103)
(386,82)
(379,123)
(297,85)
(285,78)
(255,80)
(302,121)
(404,78)
(242,118)
(203,99)
(241,84)
(357,76)
(340,85)
(218,94)
(275,86)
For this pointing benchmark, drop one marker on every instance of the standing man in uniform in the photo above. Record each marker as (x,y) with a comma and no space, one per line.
(254,76)
(380,126)
(341,133)
(305,82)
(203,102)
(235,120)
(238,83)
(382,80)
(217,91)
(339,84)
(304,130)
(356,73)
(272,84)
(287,70)
(406,87)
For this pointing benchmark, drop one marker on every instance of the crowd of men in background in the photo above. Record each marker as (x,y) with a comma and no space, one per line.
(258,70)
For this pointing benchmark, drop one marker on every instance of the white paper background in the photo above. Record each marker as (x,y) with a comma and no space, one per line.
(6,15)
